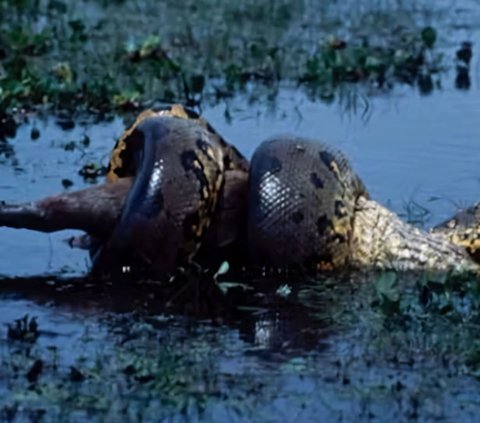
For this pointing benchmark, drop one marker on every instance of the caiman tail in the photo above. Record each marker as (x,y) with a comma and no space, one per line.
(382,240)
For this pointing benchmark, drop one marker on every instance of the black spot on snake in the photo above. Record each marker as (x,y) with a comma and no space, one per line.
(227,161)
(323,224)
(316,180)
(297,217)
(129,156)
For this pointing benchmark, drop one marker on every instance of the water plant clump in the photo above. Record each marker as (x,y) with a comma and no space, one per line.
(55,54)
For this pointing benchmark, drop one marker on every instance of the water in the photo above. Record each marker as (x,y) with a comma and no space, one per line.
(279,362)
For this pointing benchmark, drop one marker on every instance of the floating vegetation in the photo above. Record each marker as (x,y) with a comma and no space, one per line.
(118,57)
(409,59)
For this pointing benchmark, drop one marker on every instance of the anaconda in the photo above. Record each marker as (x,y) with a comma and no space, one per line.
(308,208)
(302,198)
(179,187)
(179,173)
(305,206)
(180,166)
(216,229)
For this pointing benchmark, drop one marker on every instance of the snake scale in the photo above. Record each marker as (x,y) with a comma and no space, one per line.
(176,192)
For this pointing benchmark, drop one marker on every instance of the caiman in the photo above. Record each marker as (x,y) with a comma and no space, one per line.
(177,192)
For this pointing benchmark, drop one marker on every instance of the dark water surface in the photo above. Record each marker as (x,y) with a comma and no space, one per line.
(417,154)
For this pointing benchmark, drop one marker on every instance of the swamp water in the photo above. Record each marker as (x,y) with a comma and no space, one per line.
(328,354)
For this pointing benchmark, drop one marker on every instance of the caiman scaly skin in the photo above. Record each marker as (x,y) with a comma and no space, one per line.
(382,240)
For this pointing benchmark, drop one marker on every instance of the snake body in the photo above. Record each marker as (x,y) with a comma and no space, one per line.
(308,209)
(176,191)
(180,167)
(302,199)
